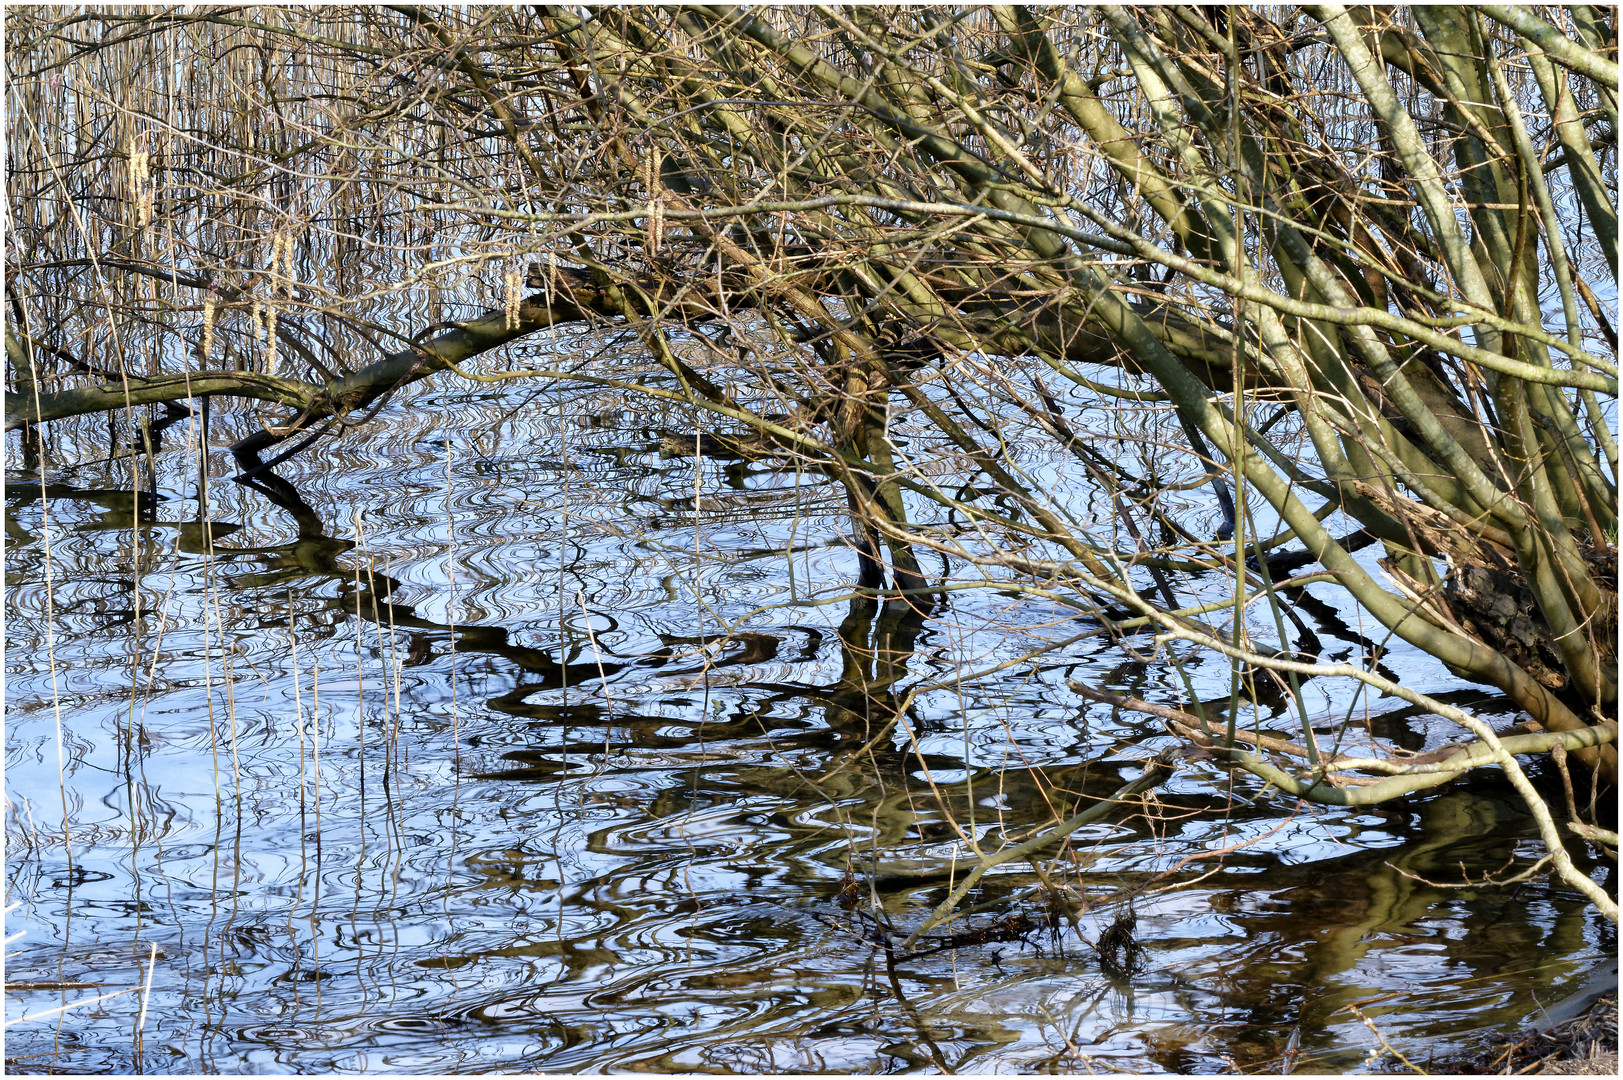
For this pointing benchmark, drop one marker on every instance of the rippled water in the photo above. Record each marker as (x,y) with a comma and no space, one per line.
(529,812)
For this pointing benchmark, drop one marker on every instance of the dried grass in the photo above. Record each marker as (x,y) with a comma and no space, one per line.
(1586,1045)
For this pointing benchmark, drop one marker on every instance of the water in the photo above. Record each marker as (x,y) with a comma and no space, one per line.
(527,812)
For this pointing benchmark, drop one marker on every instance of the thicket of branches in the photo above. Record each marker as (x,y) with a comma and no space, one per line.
(1362,257)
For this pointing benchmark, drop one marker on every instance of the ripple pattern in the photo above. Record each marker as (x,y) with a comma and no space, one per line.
(556,765)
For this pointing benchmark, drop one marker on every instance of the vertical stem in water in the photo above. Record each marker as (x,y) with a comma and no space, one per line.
(50,652)
(450,604)
(360,676)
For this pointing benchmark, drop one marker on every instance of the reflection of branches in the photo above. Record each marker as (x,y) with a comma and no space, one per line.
(1155,773)
(1406,777)
(862,243)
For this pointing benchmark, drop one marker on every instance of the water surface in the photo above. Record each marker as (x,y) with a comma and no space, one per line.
(435,754)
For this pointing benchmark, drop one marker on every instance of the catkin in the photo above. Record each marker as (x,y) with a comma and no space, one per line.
(289,235)
(650,170)
(513,281)
(278,243)
(140,173)
(270,340)
(208,326)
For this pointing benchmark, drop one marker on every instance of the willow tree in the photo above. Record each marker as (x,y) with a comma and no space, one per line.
(1360,256)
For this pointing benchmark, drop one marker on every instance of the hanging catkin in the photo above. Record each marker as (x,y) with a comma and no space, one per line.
(656,204)
(270,340)
(513,279)
(140,173)
(208,326)
(278,242)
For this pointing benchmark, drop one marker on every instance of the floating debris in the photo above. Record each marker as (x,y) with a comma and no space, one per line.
(1120,954)
(850,894)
